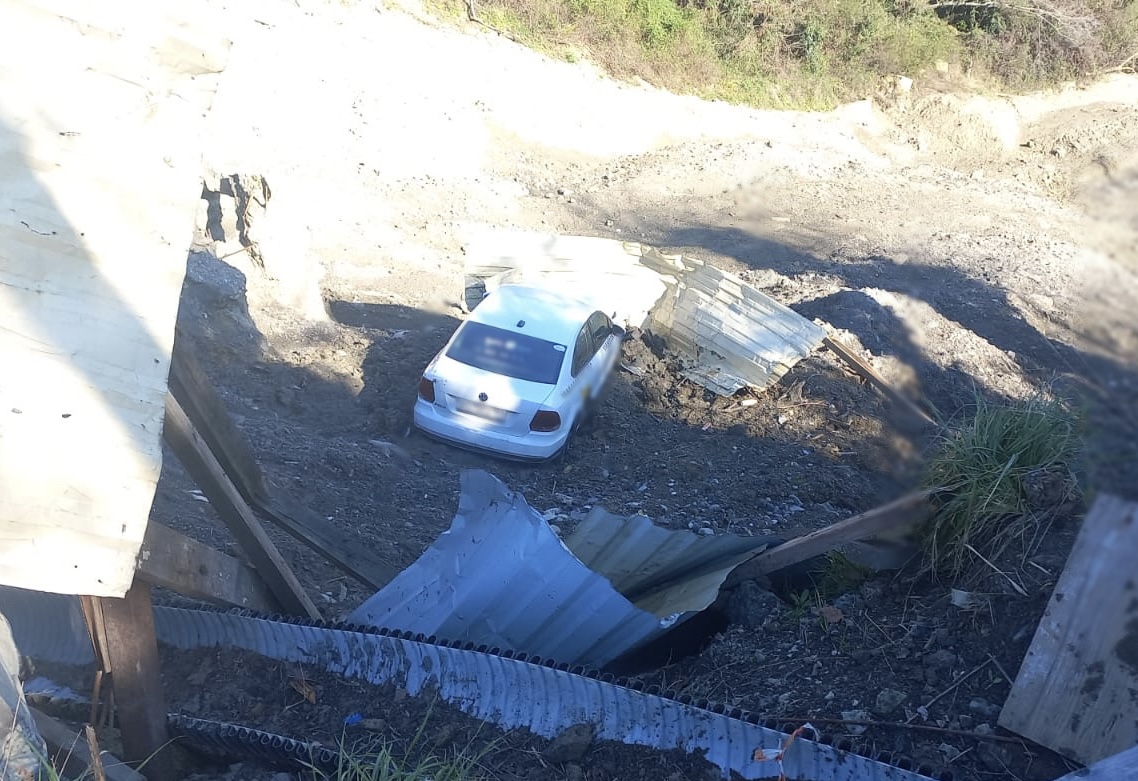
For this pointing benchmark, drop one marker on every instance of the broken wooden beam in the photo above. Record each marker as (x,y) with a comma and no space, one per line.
(898,514)
(72,758)
(867,372)
(207,413)
(174,561)
(200,462)
(205,409)
(122,632)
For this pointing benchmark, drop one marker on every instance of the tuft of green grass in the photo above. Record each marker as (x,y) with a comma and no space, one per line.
(1009,465)
(382,759)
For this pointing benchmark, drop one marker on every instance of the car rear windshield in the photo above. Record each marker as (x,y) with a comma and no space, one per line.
(505,352)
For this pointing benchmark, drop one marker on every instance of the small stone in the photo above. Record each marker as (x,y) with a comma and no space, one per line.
(555,529)
(978,706)
(965,721)
(984,729)
(752,606)
(571,745)
(942,659)
(888,700)
(994,757)
(850,604)
(855,715)
(707,531)
(374,725)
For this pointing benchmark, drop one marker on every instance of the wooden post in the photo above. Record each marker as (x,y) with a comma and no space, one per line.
(123,635)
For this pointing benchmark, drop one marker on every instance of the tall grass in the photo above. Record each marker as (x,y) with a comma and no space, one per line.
(1007,466)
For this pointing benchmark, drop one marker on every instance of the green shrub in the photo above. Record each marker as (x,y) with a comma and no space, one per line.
(998,474)
(813,54)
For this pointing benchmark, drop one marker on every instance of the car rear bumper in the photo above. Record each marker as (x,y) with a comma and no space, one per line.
(449,427)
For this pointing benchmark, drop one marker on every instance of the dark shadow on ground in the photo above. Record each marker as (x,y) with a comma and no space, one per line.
(977,305)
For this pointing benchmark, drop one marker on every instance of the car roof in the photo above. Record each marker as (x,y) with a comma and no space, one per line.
(547,314)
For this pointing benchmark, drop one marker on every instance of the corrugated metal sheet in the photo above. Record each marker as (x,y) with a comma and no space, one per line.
(510,693)
(727,334)
(500,577)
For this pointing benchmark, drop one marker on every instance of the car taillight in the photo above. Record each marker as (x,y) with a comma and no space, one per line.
(427,390)
(545,420)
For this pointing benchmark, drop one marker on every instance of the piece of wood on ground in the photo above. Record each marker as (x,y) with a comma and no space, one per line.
(71,756)
(205,409)
(123,633)
(174,561)
(1075,691)
(898,514)
(200,462)
(864,370)
(209,417)
(1120,767)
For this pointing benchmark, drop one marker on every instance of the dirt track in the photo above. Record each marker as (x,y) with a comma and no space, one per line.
(966,244)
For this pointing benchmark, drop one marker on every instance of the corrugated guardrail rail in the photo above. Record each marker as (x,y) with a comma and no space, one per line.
(502,688)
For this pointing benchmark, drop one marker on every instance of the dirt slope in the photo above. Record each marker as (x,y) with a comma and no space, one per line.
(964,242)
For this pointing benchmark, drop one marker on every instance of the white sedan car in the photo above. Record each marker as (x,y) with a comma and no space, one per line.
(519,374)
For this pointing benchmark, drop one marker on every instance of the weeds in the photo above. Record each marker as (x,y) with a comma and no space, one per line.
(379,762)
(1008,467)
(814,54)
(380,759)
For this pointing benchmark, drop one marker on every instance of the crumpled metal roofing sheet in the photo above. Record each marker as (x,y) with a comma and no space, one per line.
(727,334)
(500,577)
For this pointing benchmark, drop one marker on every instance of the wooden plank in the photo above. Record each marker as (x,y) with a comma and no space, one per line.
(860,367)
(71,756)
(1119,767)
(200,462)
(205,409)
(212,421)
(127,626)
(898,514)
(174,561)
(1075,691)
